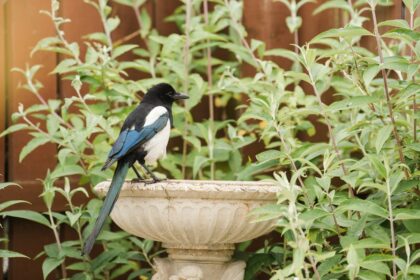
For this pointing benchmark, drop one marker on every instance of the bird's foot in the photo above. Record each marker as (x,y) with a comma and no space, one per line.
(137,180)
(154,180)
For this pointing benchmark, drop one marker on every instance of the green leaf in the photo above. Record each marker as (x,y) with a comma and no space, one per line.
(27,215)
(267,212)
(332,4)
(363,206)
(104,258)
(348,32)
(13,128)
(282,53)
(378,267)
(370,74)
(199,162)
(407,214)
(382,137)
(403,33)
(120,50)
(293,23)
(64,66)
(414,269)
(353,102)
(411,5)
(73,217)
(353,261)
(269,155)
(49,265)
(8,184)
(370,243)
(313,214)
(32,145)
(395,23)
(11,254)
(255,263)
(112,23)
(9,203)
(252,169)
(66,170)
(324,182)
(377,165)
(146,22)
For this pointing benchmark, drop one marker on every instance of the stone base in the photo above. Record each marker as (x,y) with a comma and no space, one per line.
(168,269)
(199,262)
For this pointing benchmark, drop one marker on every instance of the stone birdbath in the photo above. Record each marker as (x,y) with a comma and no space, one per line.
(198,223)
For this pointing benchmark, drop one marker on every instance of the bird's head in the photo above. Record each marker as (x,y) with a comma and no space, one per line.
(163,93)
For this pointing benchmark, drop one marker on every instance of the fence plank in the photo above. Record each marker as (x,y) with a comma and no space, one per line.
(162,10)
(28,238)
(74,31)
(2,91)
(265,20)
(25,27)
(314,24)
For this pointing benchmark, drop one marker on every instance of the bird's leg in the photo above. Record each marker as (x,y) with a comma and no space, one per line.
(139,177)
(155,179)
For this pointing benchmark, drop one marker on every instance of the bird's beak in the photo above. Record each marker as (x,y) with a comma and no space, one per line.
(178,96)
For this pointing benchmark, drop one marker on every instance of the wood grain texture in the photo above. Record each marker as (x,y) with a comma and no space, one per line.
(314,24)
(265,20)
(29,239)
(74,31)
(2,90)
(22,35)
(163,9)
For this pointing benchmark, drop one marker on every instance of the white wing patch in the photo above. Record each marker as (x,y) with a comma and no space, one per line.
(156,147)
(154,114)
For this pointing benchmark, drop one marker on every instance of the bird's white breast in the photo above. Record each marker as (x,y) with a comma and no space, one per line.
(156,147)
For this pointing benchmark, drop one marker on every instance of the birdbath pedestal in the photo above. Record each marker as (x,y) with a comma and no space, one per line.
(198,223)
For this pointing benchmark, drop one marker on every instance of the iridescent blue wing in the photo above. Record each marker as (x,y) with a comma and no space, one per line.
(129,139)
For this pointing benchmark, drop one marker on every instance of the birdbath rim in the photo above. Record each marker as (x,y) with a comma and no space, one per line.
(204,189)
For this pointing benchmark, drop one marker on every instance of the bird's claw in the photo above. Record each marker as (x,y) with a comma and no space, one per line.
(154,180)
(137,180)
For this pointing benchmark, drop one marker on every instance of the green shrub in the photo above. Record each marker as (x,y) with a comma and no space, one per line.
(347,207)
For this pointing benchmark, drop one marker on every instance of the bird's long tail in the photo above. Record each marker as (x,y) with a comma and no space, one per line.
(112,195)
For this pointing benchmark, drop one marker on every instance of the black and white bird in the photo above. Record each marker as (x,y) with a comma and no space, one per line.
(143,138)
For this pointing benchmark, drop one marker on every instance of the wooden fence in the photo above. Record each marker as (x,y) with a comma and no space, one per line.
(21,26)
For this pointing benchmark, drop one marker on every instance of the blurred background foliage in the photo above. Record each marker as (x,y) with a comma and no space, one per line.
(347,205)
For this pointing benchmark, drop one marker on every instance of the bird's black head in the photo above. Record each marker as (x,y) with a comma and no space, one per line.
(163,93)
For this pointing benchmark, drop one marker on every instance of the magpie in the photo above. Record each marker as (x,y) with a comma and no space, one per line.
(143,138)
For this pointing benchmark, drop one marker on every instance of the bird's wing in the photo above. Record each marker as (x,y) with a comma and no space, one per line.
(132,138)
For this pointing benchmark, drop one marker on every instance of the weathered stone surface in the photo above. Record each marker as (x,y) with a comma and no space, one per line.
(197,221)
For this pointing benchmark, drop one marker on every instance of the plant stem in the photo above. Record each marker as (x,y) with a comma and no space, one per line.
(211,97)
(127,38)
(391,223)
(57,240)
(186,55)
(105,25)
(387,95)
(60,34)
(243,40)
(296,41)
(287,151)
(414,81)
(329,126)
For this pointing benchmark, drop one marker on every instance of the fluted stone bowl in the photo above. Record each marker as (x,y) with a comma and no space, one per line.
(189,214)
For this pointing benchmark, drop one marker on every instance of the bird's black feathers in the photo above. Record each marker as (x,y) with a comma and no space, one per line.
(134,143)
